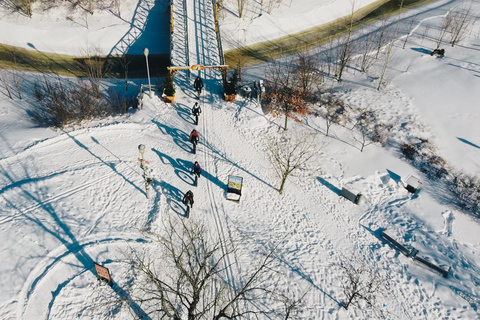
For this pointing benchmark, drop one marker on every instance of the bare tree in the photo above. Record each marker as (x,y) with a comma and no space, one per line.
(459,23)
(95,67)
(288,154)
(117,4)
(184,275)
(361,281)
(124,63)
(369,129)
(366,58)
(333,109)
(5,82)
(271,4)
(241,7)
(443,30)
(345,51)
(381,37)
(306,71)
(409,30)
(16,78)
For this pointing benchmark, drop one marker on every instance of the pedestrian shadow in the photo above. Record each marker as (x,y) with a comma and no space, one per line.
(179,165)
(173,197)
(179,137)
(422,50)
(185,113)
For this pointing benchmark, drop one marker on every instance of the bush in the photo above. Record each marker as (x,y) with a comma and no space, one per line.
(230,86)
(408,150)
(60,104)
(169,86)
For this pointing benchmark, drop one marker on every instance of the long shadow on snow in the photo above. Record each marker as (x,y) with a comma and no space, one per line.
(179,137)
(174,198)
(329,186)
(468,142)
(185,113)
(110,165)
(60,231)
(307,278)
(236,165)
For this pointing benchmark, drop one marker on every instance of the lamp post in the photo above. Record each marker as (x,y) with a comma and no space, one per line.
(148,181)
(145,52)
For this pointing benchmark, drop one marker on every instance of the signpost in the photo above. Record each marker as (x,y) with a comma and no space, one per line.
(103,274)
(234,188)
(143,166)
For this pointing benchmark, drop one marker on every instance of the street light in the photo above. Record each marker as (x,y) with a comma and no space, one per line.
(145,52)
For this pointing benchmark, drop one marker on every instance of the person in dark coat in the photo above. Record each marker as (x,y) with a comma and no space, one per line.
(188,198)
(198,85)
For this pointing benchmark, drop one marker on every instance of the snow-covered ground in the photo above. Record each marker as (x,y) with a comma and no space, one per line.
(71,198)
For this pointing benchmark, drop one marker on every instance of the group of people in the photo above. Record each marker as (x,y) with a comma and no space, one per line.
(196,169)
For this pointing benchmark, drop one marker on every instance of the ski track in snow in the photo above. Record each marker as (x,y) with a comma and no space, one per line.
(35,288)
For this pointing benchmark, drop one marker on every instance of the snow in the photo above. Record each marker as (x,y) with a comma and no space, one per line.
(74,197)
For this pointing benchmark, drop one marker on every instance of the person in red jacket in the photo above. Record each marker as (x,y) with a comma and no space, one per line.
(194,136)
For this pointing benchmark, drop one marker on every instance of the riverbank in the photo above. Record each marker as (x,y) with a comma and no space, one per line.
(316,36)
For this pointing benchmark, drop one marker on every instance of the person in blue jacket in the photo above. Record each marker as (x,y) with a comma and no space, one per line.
(196,169)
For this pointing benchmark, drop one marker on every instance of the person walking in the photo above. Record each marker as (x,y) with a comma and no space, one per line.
(196,169)
(188,198)
(194,136)
(196,110)
(198,85)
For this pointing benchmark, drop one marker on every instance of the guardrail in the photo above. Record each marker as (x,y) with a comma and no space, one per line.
(187,43)
(217,32)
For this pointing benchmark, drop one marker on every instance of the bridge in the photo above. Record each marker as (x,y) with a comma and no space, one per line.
(195,44)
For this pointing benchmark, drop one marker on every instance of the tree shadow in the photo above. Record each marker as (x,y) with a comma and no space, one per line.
(224,157)
(110,165)
(50,221)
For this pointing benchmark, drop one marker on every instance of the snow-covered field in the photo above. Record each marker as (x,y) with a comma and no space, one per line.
(71,198)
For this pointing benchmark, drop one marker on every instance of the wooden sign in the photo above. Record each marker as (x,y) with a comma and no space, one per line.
(103,273)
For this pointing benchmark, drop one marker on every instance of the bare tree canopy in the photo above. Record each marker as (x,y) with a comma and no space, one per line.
(186,274)
(290,153)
